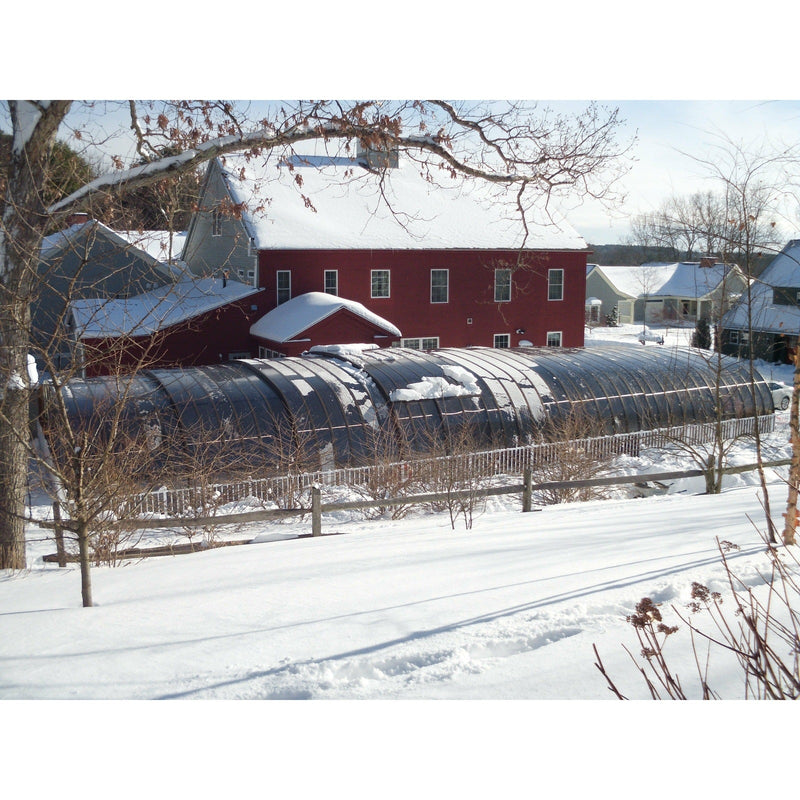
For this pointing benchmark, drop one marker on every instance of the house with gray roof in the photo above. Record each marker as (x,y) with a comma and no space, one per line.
(85,260)
(665,293)
(769,324)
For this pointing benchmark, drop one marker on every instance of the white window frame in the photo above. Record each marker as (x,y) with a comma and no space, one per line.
(446,285)
(551,284)
(216,222)
(497,286)
(278,288)
(372,275)
(265,352)
(335,274)
(502,337)
(420,343)
(554,334)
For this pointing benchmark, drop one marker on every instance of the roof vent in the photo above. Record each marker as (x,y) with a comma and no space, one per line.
(378,158)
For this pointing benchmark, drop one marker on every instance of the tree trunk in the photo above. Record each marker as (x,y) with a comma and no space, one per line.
(790,526)
(86,574)
(23,221)
(13,479)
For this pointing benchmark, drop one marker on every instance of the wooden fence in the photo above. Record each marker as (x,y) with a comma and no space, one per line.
(527,489)
(283,491)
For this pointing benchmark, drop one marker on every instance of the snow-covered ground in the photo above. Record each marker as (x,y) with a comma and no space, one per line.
(401,610)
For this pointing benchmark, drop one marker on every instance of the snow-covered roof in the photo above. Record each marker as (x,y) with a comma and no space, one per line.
(684,279)
(766,315)
(782,272)
(784,269)
(319,201)
(298,314)
(53,244)
(154,310)
(157,243)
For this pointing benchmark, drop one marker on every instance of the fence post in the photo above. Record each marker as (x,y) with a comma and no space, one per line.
(316,511)
(527,489)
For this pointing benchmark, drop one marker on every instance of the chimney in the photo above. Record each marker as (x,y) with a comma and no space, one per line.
(77,219)
(707,261)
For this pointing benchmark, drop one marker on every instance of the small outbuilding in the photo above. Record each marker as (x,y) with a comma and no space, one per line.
(315,319)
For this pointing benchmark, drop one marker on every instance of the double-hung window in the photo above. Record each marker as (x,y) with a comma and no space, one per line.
(502,285)
(380,283)
(284,284)
(440,279)
(502,340)
(555,284)
(554,338)
(332,281)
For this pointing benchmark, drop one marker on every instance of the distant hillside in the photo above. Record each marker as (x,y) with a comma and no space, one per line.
(631,255)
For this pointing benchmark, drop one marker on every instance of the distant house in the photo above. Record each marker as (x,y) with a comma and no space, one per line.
(316,319)
(444,260)
(769,329)
(190,322)
(86,260)
(665,293)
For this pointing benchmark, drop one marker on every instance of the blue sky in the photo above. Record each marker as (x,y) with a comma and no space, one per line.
(671,135)
(678,75)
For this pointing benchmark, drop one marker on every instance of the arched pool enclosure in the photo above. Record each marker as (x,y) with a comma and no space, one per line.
(339,403)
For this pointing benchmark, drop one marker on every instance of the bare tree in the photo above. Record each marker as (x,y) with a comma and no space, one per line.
(527,151)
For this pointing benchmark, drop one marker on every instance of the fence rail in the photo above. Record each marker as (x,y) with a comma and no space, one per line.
(283,491)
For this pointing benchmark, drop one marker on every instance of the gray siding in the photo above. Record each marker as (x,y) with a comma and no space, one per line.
(599,288)
(207,254)
(93,265)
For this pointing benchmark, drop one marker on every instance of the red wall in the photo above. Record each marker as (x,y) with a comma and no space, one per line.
(206,339)
(471,282)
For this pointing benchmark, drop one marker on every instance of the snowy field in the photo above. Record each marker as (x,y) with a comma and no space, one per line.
(408,610)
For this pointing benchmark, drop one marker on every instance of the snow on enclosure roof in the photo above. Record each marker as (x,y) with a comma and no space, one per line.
(319,201)
(154,310)
(300,313)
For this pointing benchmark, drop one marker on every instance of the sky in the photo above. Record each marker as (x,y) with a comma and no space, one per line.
(671,136)
(679,80)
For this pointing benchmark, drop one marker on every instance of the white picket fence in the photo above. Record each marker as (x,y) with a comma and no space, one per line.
(288,491)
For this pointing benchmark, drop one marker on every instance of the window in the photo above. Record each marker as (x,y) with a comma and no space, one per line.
(422,343)
(284,284)
(332,281)
(216,222)
(265,352)
(502,285)
(502,340)
(380,283)
(439,285)
(554,338)
(555,284)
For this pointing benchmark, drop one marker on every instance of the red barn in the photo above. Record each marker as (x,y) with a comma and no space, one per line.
(448,262)
(188,323)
